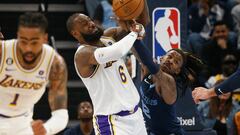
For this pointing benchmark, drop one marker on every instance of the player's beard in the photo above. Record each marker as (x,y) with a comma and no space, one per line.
(91,38)
(86,119)
(35,56)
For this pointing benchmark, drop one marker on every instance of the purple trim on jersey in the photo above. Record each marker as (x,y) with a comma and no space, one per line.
(103,124)
(125,113)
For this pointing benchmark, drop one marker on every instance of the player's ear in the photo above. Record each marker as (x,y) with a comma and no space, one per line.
(46,37)
(75,34)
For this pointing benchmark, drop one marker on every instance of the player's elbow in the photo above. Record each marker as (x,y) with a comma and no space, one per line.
(171,100)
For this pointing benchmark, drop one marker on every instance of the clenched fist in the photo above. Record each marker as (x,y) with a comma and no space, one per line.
(38,128)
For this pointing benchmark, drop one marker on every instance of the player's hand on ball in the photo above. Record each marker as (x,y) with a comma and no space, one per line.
(38,128)
(137,27)
(174,39)
(125,24)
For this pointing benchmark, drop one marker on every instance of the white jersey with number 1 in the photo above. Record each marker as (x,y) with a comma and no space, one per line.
(20,89)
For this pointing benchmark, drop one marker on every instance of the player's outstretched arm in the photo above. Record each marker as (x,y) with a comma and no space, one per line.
(166,87)
(165,83)
(201,93)
(226,86)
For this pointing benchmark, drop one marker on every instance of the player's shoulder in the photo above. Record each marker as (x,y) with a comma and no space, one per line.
(85,50)
(58,58)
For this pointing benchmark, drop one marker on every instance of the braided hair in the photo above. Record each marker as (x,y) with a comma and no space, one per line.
(192,65)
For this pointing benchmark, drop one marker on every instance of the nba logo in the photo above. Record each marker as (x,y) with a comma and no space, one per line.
(166,30)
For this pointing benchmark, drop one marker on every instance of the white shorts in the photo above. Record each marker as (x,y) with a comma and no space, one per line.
(132,124)
(16,126)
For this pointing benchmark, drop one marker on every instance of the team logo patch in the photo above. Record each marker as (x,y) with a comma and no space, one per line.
(9,61)
(166,30)
(41,72)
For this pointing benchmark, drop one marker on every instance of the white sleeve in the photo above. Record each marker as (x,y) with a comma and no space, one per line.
(115,51)
(57,122)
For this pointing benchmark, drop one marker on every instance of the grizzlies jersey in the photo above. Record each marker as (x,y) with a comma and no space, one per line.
(20,89)
(160,117)
(110,86)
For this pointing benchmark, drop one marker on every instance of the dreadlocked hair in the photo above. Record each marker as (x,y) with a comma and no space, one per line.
(192,65)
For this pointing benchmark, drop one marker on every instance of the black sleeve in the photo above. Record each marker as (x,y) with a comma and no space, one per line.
(229,85)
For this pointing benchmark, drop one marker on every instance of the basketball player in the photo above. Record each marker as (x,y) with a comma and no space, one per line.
(159,107)
(161,86)
(27,65)
(99,65)
(231,84)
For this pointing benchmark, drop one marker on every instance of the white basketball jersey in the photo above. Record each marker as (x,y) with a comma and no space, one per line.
(20,89)
(111,87)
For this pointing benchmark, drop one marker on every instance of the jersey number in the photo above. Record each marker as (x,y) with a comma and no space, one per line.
(122,74)
(14,102)
(145,110)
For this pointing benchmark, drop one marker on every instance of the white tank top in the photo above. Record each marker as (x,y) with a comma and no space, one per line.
(20,89)
(110,86)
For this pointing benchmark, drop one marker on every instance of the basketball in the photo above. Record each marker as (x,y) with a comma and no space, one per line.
(128,9)
(174,39)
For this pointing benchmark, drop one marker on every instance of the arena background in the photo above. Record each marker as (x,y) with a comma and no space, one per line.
(57,12)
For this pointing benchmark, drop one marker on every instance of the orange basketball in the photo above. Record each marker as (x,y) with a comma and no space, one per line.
(128,9)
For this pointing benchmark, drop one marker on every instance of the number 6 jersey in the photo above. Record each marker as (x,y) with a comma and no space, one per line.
(110,86)
(20,89)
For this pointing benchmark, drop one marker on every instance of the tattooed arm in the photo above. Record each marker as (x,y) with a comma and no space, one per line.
(57,95)
(57,98)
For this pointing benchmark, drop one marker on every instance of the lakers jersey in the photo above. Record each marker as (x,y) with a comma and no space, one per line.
(20,89)
(110,86)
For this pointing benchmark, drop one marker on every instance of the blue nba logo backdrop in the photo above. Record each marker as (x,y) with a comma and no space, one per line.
(165,30)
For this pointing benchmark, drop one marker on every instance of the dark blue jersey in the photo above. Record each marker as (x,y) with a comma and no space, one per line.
(75,130)
(161,118)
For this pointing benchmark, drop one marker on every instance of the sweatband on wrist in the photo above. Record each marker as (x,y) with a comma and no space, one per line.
(57,122)
(115,51)
(229,85)
(145,56)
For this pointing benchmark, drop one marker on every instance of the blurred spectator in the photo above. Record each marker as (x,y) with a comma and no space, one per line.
(236,18)
(203,14)
(216,48)
(218,113)
(237,121)
(85,126)
(103,13)
(229,65)
(91,6)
